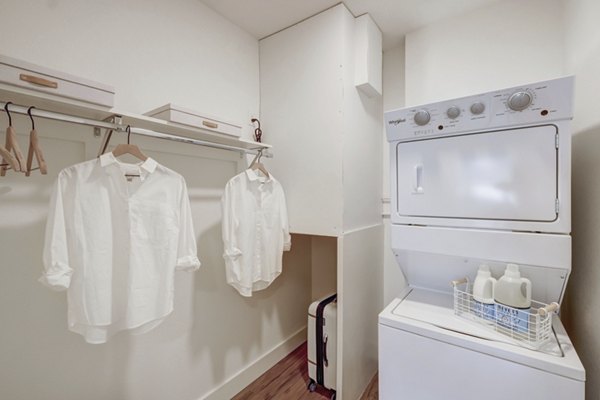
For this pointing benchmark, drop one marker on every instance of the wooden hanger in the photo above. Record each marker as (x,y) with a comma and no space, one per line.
(257,165)
(15,162)
(129,148)
(34,148)
(8,161)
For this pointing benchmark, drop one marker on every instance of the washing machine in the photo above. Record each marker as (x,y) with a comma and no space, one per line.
(479,179)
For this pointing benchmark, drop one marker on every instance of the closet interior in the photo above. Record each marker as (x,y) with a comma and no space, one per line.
(215,340)
(320,160)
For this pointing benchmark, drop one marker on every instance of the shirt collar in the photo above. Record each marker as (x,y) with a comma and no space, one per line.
(109,158)
(253,176)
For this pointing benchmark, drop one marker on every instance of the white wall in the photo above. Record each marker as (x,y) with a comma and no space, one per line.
(359,289)
(582,53)
(393,98)
(154,52)
(360,271)
(323,266)
(322,125)
(302,89)
(506,44)
(362,124)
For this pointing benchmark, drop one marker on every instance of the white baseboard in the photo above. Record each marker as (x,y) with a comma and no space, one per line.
(243,378)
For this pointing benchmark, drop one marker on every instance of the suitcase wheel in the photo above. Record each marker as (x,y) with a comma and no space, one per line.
(312,385)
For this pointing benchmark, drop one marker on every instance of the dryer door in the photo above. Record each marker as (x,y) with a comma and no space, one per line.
(506,175)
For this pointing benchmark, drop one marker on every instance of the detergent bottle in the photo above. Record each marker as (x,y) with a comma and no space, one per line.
(512,294)
(483,293)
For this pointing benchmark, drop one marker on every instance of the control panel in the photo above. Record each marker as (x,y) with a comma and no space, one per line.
(522,105)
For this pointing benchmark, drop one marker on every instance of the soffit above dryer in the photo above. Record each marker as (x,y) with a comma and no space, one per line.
(395,18)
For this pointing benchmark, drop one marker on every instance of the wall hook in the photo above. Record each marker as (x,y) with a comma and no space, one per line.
(31,117)
(257,131)
(8,113)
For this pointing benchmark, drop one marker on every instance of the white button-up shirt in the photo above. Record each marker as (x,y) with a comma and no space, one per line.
(255,231)
(114,243)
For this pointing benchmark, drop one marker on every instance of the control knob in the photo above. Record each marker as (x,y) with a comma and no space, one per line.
(453,112)
(477,108)
(519,101)
(422,117)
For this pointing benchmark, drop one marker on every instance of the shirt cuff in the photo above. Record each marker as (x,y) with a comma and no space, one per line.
(232,264)
(287,246)
(187,263)
(57,277)
(232,254)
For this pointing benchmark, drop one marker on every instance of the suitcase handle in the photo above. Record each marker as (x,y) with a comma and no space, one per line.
(321,345)
(325,360)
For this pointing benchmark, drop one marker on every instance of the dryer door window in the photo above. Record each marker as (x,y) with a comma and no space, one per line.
(500,175)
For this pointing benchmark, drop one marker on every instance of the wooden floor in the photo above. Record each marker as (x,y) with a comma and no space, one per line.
(288,379)
(372,391)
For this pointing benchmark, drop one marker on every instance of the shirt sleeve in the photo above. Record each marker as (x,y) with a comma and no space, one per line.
(230,223)
(57,272)
(187,252)
(287,238)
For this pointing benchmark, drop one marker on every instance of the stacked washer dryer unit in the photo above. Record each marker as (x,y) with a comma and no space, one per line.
(479,179)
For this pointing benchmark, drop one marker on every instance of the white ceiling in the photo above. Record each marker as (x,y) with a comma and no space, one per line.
(262,18)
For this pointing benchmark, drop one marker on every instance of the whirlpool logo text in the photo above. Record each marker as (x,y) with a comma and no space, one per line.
(395,122)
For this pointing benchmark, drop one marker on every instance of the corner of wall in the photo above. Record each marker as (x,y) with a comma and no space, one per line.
(582,54)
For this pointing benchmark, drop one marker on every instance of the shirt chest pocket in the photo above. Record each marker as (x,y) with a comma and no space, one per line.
(271,217)
(155,222)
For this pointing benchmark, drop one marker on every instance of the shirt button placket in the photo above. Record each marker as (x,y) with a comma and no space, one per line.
(258,234)
(130,221)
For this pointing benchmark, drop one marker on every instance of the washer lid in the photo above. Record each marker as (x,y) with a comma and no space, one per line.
(430,314)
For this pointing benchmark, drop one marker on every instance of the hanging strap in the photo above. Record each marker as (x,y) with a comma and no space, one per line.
(320,342)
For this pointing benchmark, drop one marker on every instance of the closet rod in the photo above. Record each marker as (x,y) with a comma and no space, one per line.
(17,109)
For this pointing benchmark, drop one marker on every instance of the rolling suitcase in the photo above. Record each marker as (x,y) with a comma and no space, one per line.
(322,344)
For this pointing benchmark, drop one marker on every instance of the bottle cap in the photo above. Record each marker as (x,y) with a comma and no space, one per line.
(512,271)
(484,270)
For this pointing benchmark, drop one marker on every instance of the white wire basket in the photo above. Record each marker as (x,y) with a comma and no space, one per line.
(530,328)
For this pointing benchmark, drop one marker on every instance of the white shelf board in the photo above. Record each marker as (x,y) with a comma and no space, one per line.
(172,128)
(47,102)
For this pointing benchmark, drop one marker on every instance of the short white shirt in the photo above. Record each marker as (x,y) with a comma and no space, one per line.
(115,243)
(255,231)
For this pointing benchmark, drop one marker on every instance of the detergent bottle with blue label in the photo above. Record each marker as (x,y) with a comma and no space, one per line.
(513,299)
(483,293)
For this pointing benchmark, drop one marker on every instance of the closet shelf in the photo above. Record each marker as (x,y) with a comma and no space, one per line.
(158,125)
(48,106)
